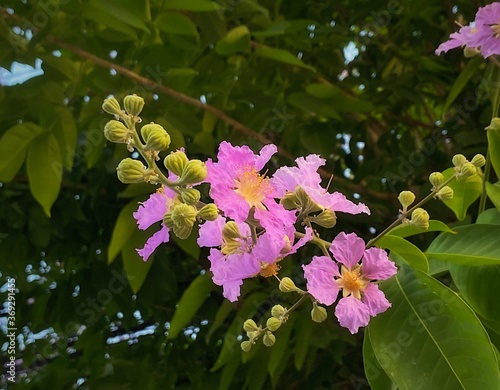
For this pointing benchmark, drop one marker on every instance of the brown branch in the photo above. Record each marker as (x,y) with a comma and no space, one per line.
(238,126)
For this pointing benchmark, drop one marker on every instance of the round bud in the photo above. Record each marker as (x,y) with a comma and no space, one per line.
(182,232)
(458,160)
(209,212)
(273,324)
(230,231)
(445,193)
(167,220)
(406,198)
(246,345)
(290,201)
(326,219)
(131,171)
(155,137)
(184,216)
(436,179)
(478,160)
(468,169)
(287,285)
(250,326)
(111,106)
(470,52)
(269,339)
(195,171)
(278,311)
(175,162)
(190,196)
(115,131)
(133,104)
(420,218)
(494,125)
(318,313)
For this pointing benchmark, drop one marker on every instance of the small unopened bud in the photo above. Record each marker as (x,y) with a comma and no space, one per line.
(184,216)
(250,326)
(445,193)
(406,198)
(494,125)
(290,201)
(318,313)
(478,160)
(246,345)
(420,218)
(273,324)
(175,162)
(155,137)
(458,160)
(111,106)
(468,169)
(326,219)
(470,52)
(167,220)
(115,131)
(209,212)
(133,104)
(182,232)
(230,231)
(190,196)
(131,171)
(269,339)
(195,171)
(287,285)
(278,311)
(436,179)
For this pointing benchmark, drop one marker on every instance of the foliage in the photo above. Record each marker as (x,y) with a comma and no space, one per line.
(354,81)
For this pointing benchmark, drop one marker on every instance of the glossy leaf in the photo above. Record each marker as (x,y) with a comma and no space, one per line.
(493,191)
(465,192)
(375,374)
(281,55)
(236,40)
(125,226)
(177,23)
(135,267)
(494,148)
(489,216)
(406,250)
(192,5)
(411,230)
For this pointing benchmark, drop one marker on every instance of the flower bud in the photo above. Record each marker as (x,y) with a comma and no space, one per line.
(115,131)
(155,137)
(406,198)
(246,345)
(111,106)
(230,247)
(175,162)
(133,104)
(494,125)
(182,232)
(195,171)
(468,169)
(290,201)
(318,313)
(326,219)
(190,196)
(278,311)
(131,171)
(478,160)
(445,193)
(269,339)
(184,216)
(209,212)
(230,231)
(250,326)
(273,324)
(287,285)
(470,52)
(458,160)
(167,220)
(436,179)
(420,218)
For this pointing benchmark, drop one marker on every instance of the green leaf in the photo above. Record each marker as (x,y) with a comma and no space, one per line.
(191,300)
(281,55)
(411,230)
(121,11)
(406,250)
(44,167)
(224,310)
(377,377)
(135,267)
(14,147)
(465,192)
(493,191)
(236,40)
(493,136)
(192,5)
(125,225)
(322,91)
(313,105)
(229,371)
(474,245)
(177,23)
(430,338)
(190,244)
(66,133)
(280,351)
(303,330)
(490,216)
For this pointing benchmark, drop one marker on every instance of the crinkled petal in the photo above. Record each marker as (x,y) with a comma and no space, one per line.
(302,241)
(352,314)
(154,242)
(375,300)
(320,273)
(151,211)
(377,266)
(337,202)
(275,218)
(284,180)
(348,249)
(211,233)
(264,156)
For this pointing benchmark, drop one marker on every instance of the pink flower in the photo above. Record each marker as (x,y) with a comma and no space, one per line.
(150,212)
(237,185)
(361,299)
(306,175)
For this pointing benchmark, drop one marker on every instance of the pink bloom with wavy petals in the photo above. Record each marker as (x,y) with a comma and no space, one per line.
(150,212)
(306,175)
(359,267)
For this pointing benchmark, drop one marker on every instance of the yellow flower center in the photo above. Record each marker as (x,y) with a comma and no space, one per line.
(253,187)
(267,270)
(496,30)
(352,282)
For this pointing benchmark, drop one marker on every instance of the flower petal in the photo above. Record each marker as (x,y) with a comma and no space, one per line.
(211,233)
(352,313)
(377,266)
(264,156)
(151,211)
(375,300)
(320,273)
(348,249)
(154,242)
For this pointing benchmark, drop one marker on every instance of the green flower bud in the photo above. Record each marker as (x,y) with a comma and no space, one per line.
(111,106)
(131,171)
(287,285)
(406,198)
(182,232)
(269,339)
(246,345)
(494,125)
(230,247)
(133,104)
(273,324)
(184,216)
(470,52)
(326,219)
(155,137)
(436,179)
(175,162)
(195,171)
(250,326)
(478,160)
(115,131)
(458,160)
(278,311)
(420,218)
(167,220)
(190,196)
(318,313)
(290,201)
(468,169)
(230,231)
(209,212)
(445,193)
